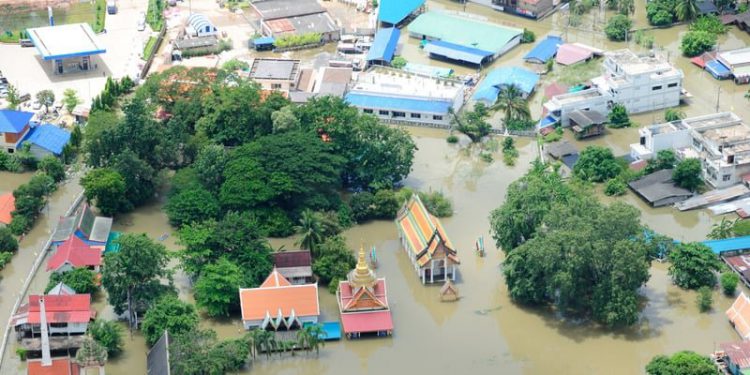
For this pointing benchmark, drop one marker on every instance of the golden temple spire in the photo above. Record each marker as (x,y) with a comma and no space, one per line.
(362,275)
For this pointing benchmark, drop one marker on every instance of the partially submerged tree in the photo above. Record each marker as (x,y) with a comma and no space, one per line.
(693,266)
(681,363)
(687,174)
(171,315)
(596,164)
(473,123)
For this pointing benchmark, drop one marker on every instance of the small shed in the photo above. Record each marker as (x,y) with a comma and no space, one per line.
(587,123)
(559,149)
(449,292)
(263,44)
(658,189)
(544,50)
(47,139)
(569,54)
(199,25)
(384,46)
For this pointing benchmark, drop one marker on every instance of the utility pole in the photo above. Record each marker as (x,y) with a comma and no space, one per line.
(718,95)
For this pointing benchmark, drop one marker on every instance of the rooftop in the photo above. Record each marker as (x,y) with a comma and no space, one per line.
(633,64)
(395,82)
(728,244)
(157,361)
(312,23)
(524,79)
(13,121)
(574,97)
(423,232)
(559,149)
(712,120)
(738,353)
(76,253)
(384,45)
(297,258)
(739,315)
(736,57)
(274,9)
(49,137)
(60,366)
(395,11)
(277,294)
(74,308)
(463,31)
(658,186)
(65,41)
(279,69)
(667,127)
(7,205)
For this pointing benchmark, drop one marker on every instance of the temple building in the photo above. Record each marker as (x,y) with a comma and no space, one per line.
(363,302)
(278,305)
(431,252)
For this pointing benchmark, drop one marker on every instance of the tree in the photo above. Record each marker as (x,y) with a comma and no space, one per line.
(82,280)
(209,166)
(528,36)
(618,117)
(70,99)
(45,98)
(687,174)
(626,7)
(235,64)
(53,167)
(132,275)
(686,10)
(618,27)
(139,176)
(723,229)
(190,206)
(13,98)
(106,188)
(665,159)
(91,353)
(260,340)
(310,229)
(437,203)
(710,24)
(510,100)
(729,281)
(198,352)
(334,262)
(399,62)
(681,363)
(695,43)
(386,204)
(8,243)
(170,314)
(704,299)
(311,338)
(285,120)
(615,187)
(693,266)
(741,228)
(473,124)
(596,164)
(672,114)
(217,286)
(108,333)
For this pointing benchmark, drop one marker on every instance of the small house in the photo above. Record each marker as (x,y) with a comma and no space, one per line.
(658,189)
(13,126)
(277,305)
(65,315)
(295,266)
(74,253)
(363,302)
(7,206)
(93,230)
(47,139)
(739,316)
(587,123)
(429,249)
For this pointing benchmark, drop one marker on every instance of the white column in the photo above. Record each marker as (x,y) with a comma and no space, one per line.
(432,271)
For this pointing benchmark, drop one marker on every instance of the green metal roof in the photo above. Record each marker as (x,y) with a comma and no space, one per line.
(113,245)
(463,31)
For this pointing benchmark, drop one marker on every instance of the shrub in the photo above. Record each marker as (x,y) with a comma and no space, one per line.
(398,62)
(362,204)
(696,42)
(109,334)
(615,187)
(618,117)
(617,28)
(644,40)
(729,281)
(705,299)
(297,40)
(437,203)
(710,24)
(452,139)
(528,36)
(53,167)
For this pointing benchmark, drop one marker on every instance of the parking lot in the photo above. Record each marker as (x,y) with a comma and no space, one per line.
(24,68)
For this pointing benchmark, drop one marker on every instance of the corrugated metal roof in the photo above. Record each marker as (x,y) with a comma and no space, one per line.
(728,244)
(76,253)
(457,52)
(524,79)
(464,31)
(717,69)
(48,137)
(375,101)
(395,11)
(65,41)
(384,45)
(363,322)
(13,121)
(544,50)
(569,54)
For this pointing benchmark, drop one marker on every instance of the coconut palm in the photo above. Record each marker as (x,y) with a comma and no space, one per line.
(311,229)
(260,339)
(672,114)
(309,338)
(510,100)
(686,10)
(723,229)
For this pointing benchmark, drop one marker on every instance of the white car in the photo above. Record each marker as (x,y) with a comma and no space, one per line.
(36,105)
(142,22)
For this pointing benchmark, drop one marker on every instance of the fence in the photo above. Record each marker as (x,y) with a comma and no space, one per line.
(150,59)
(34,268)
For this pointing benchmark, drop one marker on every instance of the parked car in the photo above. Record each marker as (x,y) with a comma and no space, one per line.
(111,7)
(36,105)
(142,22)
(26,43)
(172,3)
(24,97)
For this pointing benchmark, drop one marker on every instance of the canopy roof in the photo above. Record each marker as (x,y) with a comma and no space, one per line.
(395,11)
(65,41)
(384,46)
(463,31)
(544,50)
(457,52)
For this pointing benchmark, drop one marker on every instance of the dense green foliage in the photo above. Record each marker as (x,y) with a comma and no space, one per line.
(399,62)
(70,99)
(596,164)
(723,229)
(741,228)
(8,246)
(665,159)
(618,27)
(709,23)
(618,117)
(528,36)
(673,114)
(45,98)
(334,262)
(105,188)
(729,281)
(693,265)
(590,259)
(53,167)
(509,151)
(82,280)
(696,42)
(198,352)
(155,14)
(292,40)
(191,206)
(170,314)
(217,286)
(30,199)
(436,203)
(687,174)
(472,123)
(510,100)
(704,299)
(681,363)
(108,333)
(615,187)
(686,10)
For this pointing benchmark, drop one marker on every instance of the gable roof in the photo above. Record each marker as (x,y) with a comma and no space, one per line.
(490,87)
(275,9)
(384,45)
(423,232)
(570,53)
(456,52)
(48,137)
(297,258)
(738,353)
(657,186)
(13,121)
(277,294)
(61,289)
(351,299)
(60,366)
(395,11)
(74,308)
(739,315)
(544,50)
(76,253)
(7,205)
(463,31)
(157,360)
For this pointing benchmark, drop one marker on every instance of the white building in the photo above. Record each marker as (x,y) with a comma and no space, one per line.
(720,140)
(640,83)
(398,97)
(199,25)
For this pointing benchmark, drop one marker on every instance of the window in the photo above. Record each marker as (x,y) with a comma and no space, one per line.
(415,115)
(726,177)
(367,110)
(438,118)
(399,114)
(672,84)
(276,86)
(58,325)
(383,113)
(656,88)
(11,150)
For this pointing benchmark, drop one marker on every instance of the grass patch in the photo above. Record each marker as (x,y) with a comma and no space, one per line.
(101,12)
(155,14)
(10,37)
(148,50)
(578,73)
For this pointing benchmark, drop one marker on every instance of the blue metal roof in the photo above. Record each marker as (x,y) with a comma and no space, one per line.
(456,51)
(394,11)
(384,45)
(717,69)
(264,40)
(728,244)
(545,50)
(524,79)
(547,121)
(48,137)
(13,121)
(375,101)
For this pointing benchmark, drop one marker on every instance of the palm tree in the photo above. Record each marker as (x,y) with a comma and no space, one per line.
(722,230)
(510,99)
(309,338)
(686,10)
(672,114)
(260,339)
(311,229)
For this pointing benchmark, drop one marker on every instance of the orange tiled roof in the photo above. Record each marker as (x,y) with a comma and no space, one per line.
(419,228)
(739,315)
(276,293)
(7,205)
(60,366)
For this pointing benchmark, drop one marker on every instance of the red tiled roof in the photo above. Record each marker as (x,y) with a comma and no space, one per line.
(739,316)
(280,26)
(60,366)
(347,296)
(74,308)
(299,258)
(364,322)
(75,252)
(7,205)
(276,293)
(738,353)
(555,89)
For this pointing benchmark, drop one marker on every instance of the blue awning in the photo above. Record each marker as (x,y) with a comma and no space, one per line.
(412,105)
(263,41)
(384,45)
(456,52)
(717,69)
(729,244)
(395,11)
(545,50)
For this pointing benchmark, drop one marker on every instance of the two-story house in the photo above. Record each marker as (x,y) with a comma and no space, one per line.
(13,126)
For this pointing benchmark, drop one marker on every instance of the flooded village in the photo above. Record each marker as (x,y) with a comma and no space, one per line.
(414,291)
